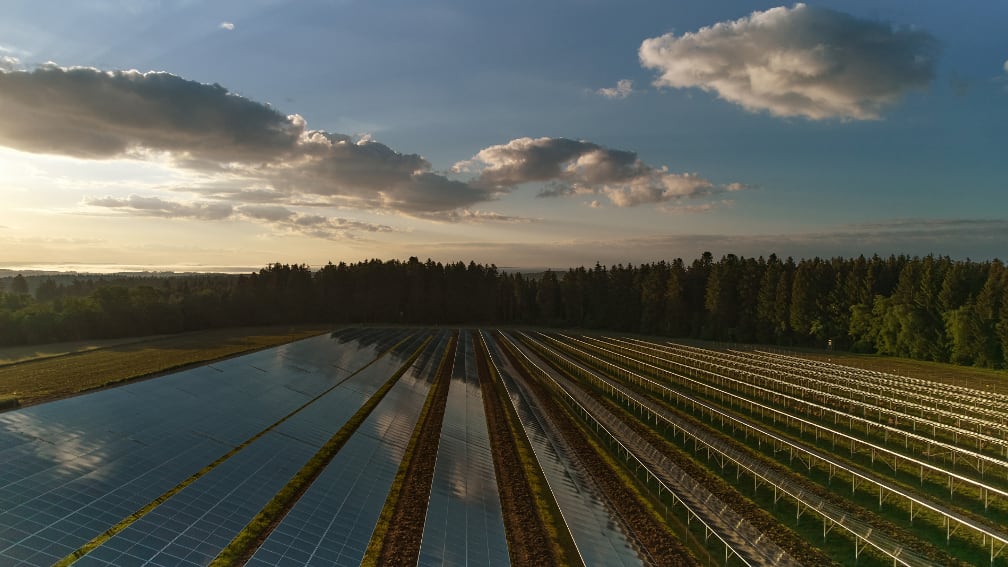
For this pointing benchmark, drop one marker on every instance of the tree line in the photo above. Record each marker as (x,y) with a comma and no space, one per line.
(930,308)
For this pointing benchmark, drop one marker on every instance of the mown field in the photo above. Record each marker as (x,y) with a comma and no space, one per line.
(47,372)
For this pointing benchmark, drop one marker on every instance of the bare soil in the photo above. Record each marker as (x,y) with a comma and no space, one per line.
(528,543)
(401,544)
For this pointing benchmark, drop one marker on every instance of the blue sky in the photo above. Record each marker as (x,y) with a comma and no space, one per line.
(519,133)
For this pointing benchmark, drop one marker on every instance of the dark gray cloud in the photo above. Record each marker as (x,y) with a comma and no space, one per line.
(571,167)
(8,63)
(801,61)
(90,113)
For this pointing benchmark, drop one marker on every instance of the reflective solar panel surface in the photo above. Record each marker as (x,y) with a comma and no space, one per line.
(75,467)
(597,535)
(464,524)
(333,522)
(191,527)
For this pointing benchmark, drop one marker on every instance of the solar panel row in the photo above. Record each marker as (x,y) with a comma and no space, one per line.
(597,534)
(200,520)
(333,521)
(464,523)
(78,466)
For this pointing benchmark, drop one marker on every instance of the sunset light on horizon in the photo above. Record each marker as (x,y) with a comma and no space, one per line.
(176,135)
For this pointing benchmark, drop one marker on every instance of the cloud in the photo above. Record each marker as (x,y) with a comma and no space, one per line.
(623,89)
(279,218)
(157,207)
(89,113)
(8,63)
(476,216)
(1005,66)
(284,220)
(571,167)
(801,61)
(239,152)
(84,112)
(227,26)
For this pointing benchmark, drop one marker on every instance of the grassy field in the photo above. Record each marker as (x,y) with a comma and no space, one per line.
(65,369)
(973,377)
(979,378)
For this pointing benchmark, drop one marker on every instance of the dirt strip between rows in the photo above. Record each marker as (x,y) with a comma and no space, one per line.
(528,542)
(401,542)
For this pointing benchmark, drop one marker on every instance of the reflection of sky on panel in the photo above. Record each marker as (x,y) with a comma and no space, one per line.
(599,538)
(76,466)
(217,506)
(333,522)
(464,524)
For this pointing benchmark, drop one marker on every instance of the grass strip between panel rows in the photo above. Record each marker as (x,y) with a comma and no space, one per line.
(243,546)
(127,521)
(384,543)
(561,543)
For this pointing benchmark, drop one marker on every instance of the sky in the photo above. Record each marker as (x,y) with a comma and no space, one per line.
(227,135)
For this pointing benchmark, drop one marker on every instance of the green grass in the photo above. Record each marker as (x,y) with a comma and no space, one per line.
(15,354)
(56,376)
(973,377)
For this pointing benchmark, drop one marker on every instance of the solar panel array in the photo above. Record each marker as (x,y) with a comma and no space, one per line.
(865,533)
(75,467)
(597,534)
(332,523)
(191,527)
(464,523)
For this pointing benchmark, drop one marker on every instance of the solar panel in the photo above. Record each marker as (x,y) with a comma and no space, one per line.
(216,507)
(597,534)
(464,523)
(80,465)
(333,522)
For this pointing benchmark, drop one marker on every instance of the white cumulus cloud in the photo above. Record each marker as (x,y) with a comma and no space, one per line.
(574,167)
(801,61)
(623,89)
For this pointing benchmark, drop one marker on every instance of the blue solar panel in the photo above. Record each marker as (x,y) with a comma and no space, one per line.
(80,465)
(596,532)
(206,515)
(333,522)
(464,523)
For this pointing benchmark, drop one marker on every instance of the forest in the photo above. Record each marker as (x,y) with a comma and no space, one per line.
(927,308)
